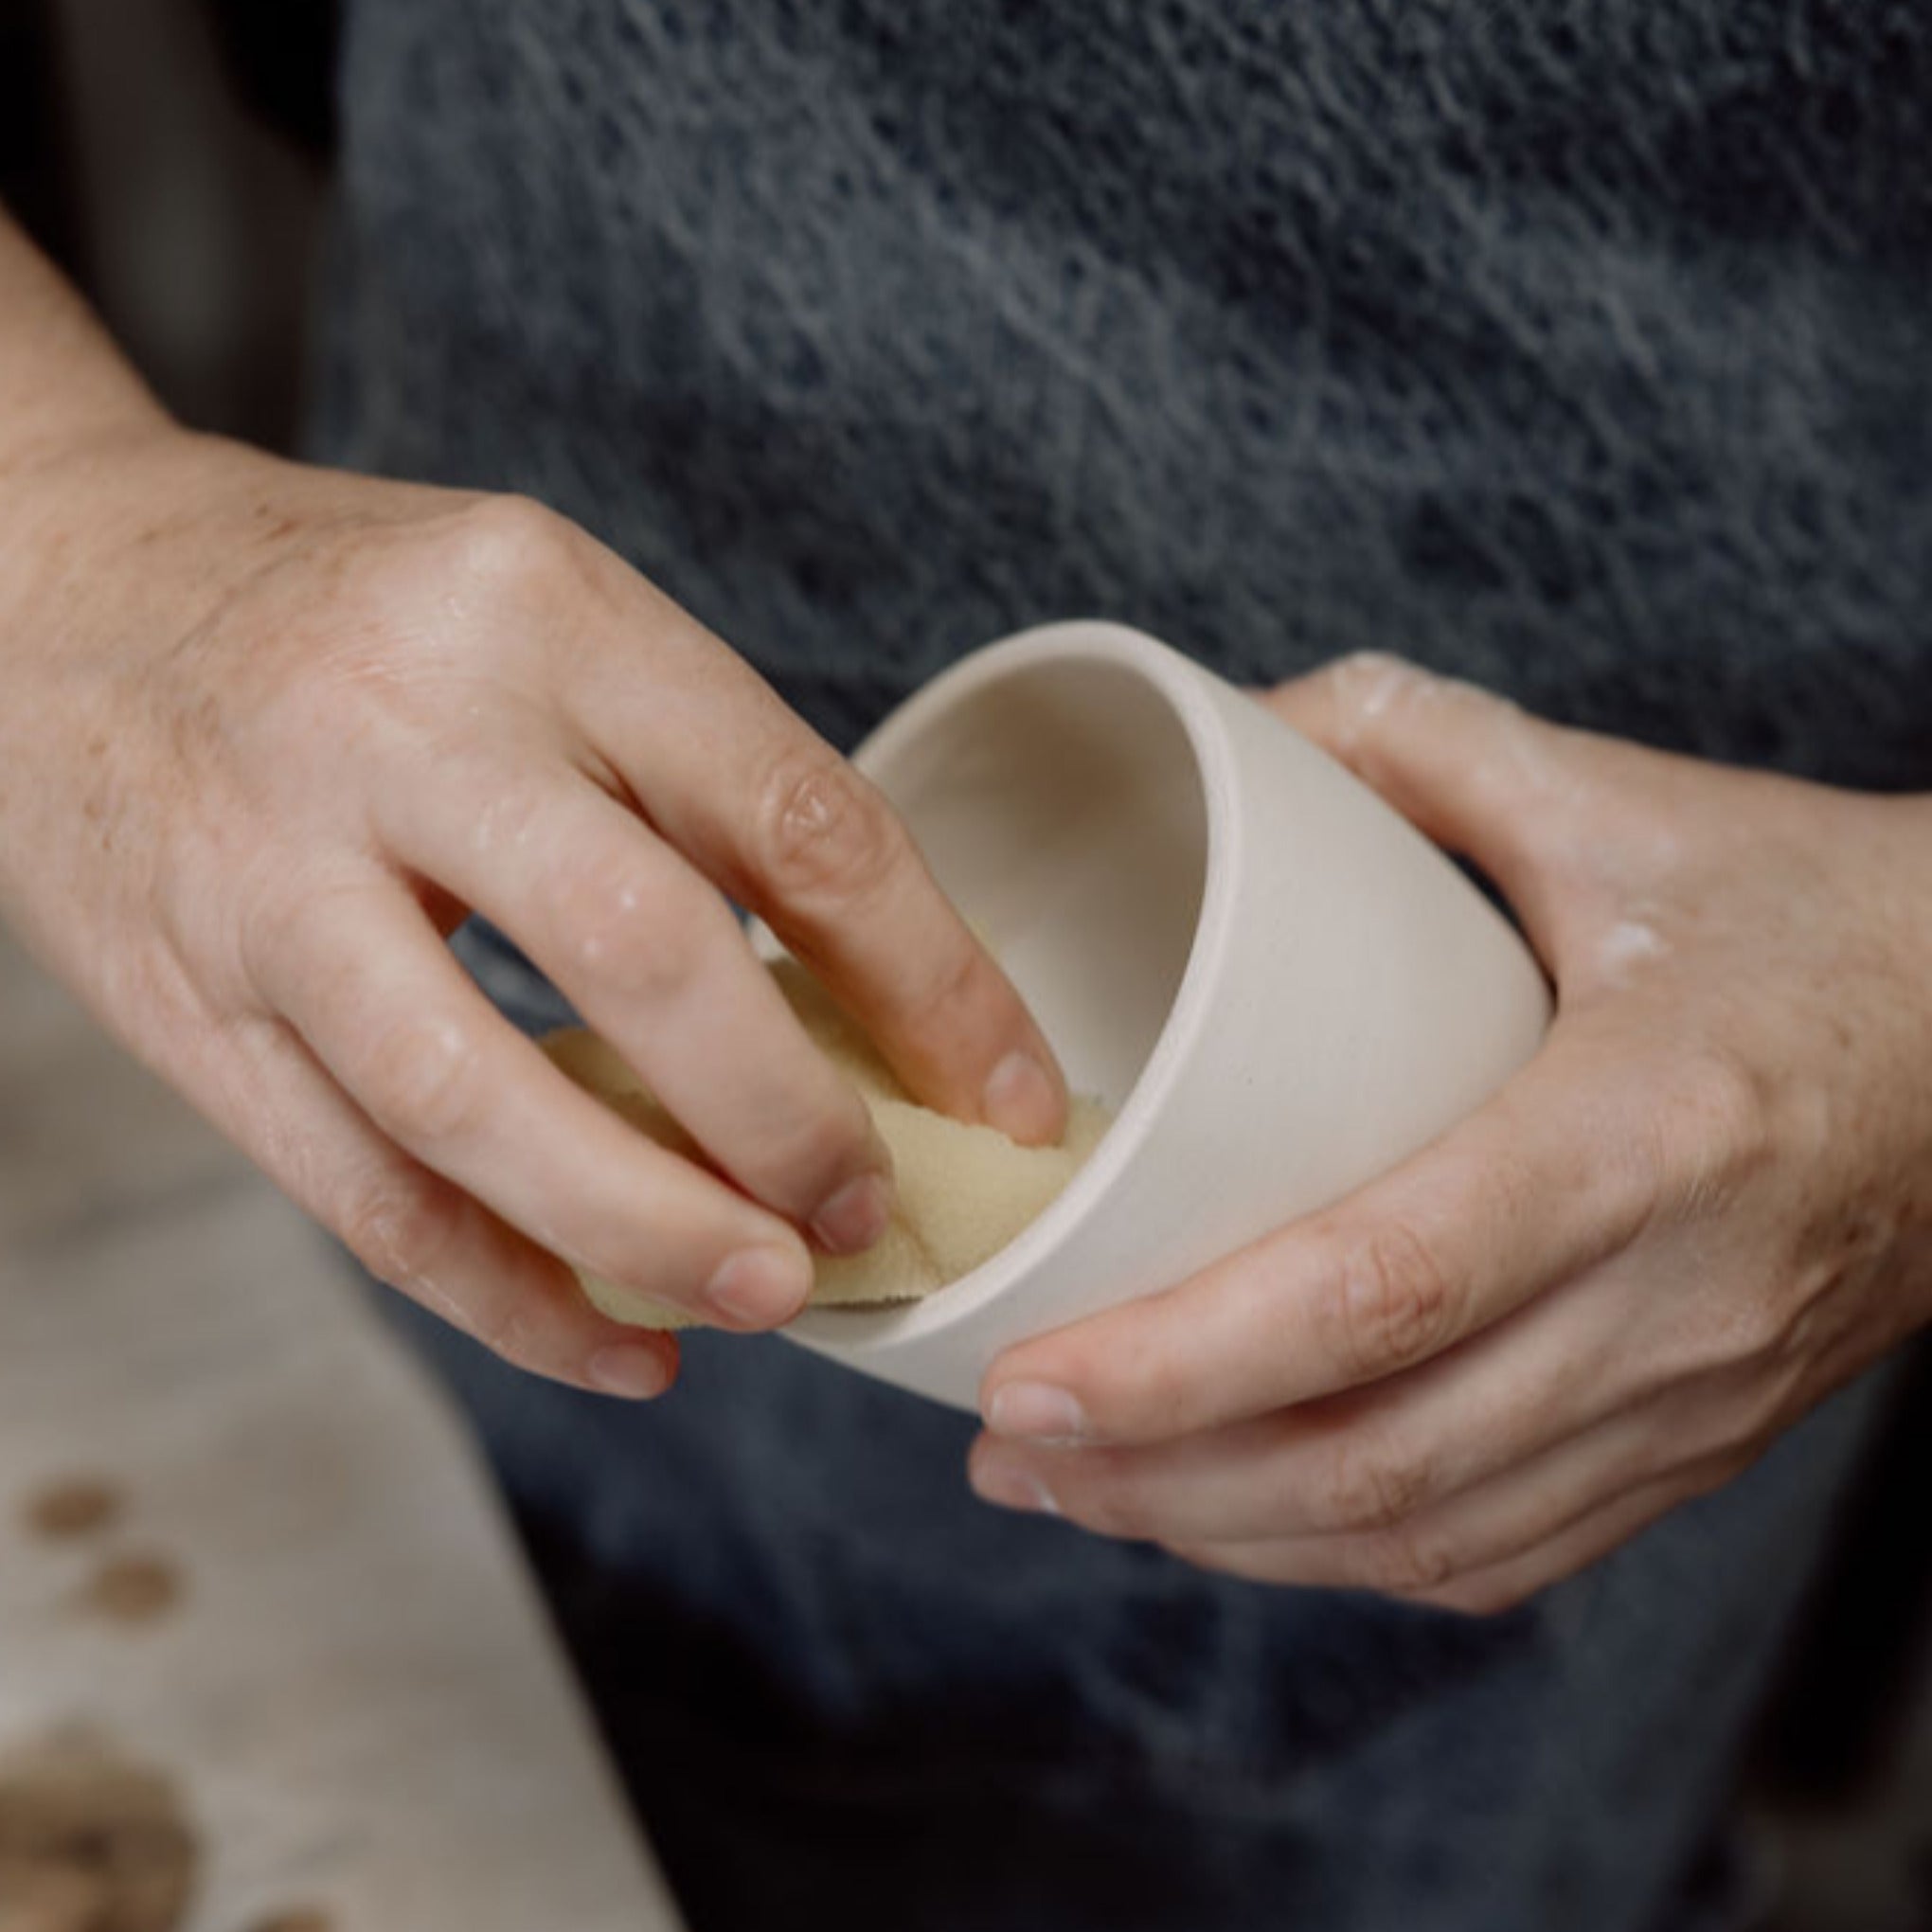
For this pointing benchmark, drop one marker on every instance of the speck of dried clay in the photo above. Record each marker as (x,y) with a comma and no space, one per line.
(136,1589)
(76,1506)
(305,1921)
(91,1841)
(1367,684)
(1627,945)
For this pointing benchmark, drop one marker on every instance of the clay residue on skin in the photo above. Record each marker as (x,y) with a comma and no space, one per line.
(1627,945)
(91,1841)
(1366,685)
(1369,685)
(136,1589)
(72,1508)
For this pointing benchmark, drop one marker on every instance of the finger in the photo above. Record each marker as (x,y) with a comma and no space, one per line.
(776,818)
(412,1229)
(1380,1455)
(1321,1469)
(1526,1524)
(651,957)
(1470,770)
(1506,1585)
(383,1005)
(1547,1180)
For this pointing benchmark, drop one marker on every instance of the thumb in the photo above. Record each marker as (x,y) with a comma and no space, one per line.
(1472,770)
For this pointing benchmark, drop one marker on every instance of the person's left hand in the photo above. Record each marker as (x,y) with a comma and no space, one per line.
(1704,1204)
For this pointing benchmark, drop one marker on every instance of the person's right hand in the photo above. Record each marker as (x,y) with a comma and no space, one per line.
(269,731)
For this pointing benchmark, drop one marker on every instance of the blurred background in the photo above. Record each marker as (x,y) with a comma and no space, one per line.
(173,156)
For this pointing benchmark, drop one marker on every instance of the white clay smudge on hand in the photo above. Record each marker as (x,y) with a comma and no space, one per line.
(1627,945)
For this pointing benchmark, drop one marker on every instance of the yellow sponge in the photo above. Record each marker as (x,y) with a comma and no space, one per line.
(964,1192)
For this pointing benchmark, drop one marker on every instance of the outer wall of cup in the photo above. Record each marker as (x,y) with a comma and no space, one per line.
(1349,996)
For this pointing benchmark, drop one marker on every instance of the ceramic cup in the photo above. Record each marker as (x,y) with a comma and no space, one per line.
(1276,983)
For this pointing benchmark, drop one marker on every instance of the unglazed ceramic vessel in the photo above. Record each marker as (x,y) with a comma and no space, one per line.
(1276,983)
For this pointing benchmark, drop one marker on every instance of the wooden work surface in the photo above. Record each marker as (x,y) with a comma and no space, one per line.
(245,1547)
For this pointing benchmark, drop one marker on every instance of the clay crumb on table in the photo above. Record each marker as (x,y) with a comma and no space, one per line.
(91,1841)
(138,1588)
(75,1507)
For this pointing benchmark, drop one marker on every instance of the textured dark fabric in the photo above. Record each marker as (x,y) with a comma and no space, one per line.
(1585,349)
(1580,349)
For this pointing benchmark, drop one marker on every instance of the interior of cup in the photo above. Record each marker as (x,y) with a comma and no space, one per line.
(1061,806)
(1058,795)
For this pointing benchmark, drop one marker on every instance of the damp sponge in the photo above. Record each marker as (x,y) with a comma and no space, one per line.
(964,1191)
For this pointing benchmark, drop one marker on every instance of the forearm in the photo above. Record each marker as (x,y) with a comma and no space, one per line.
(82,471)
(92,470)
(63,383)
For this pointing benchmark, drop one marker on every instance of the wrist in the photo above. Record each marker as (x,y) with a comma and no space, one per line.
(77,511)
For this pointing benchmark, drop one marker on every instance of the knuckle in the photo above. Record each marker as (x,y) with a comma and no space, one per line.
(1141,1393)
(287,898)
(1388,1302)
(822,1148)
(611,931)
(1735,1376)
(509,1330)
(1774,1330)
(958,984)
(1107,1499)
(1716,1127)
(400,1230)
(423,1085)
(1371,1486)
(1410,1562)
(509,542)
(1370,681)
(1717,1349)
(822,828)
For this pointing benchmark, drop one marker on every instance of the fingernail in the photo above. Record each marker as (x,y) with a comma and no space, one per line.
(1021,1099)
(854,1216)
(998,1479)
(759,1286)
(1036,1412)
(630,1369)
